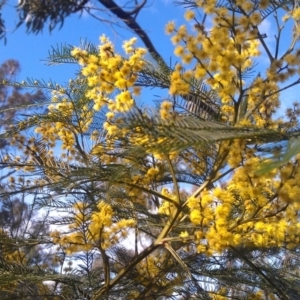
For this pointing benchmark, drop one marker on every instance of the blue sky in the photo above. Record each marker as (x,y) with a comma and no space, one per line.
(30,50)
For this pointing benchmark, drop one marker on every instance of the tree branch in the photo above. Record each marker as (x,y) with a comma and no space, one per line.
(134,26)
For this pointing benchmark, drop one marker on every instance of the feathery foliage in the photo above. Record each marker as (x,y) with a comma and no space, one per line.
(185,200)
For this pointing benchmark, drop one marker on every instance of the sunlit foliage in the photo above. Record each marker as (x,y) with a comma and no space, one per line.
(164,203)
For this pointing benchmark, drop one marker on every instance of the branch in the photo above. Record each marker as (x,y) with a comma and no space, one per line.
(137,9)
(277,290)
(124,271)
(133,25)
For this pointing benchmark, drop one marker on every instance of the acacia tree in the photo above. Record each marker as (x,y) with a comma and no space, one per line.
(23,234)
(169,202)
(13,97)
(23,243)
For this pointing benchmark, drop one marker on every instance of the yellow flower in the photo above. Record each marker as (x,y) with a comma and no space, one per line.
(128,45)
(75,51)
(255,18)
(201,248)
(195,216)
(136,90)
(124,101)
(110,115)
(179,50)
(296,13)
(111,129)
(184,235)
(170,27)
(263,4)
(189,15)
(182,32)
(285,18)
(175,39)
(291,59)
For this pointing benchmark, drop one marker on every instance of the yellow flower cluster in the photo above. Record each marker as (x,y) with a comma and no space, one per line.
(66,119)
(221,62)
(93,229)
(223,294)
(189,15)
(296,13)
(180,82)
(57,132)
(150,268)
(214,56)
(253,211)
(200,209)
(8,251)
(249,210)
(167,207)
(165,110)
(107,71)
